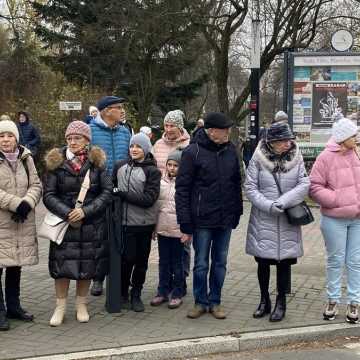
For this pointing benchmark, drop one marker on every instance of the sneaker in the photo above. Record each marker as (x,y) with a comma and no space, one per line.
(217,312)
(158,300)
(352,313)
(196,311)
(136,304)
(330,311)
(174,303)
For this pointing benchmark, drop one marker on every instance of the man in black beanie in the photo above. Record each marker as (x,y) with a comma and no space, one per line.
(208,206)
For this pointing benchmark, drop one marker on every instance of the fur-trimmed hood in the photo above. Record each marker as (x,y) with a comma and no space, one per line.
(56,158)
(276,163)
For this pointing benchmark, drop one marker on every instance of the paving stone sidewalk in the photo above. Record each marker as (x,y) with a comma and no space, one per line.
(240,296)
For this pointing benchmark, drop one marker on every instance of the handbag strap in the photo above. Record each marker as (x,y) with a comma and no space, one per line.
(277,183)
(83,190)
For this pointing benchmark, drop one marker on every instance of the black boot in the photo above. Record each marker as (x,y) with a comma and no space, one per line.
(136,303)
(263,308)
(4,323)
(280,308)
(97,288)
(20,314)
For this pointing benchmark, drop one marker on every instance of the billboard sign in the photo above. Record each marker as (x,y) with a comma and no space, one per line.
(321,85)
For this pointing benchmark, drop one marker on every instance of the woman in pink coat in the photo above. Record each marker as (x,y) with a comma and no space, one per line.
(335,185)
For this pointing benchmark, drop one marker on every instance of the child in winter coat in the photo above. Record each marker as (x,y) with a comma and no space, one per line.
(138,185)
(171,269)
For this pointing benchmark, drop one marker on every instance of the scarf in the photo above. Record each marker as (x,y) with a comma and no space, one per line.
(76,161)
(12,158)
(279,160)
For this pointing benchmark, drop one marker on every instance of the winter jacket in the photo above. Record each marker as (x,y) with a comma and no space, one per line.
(29,136)
(138,185)
(335,182)
(270,236)
(83,254)
(163,147)
(208,185)
(114,141)
(167,224)
(18,243)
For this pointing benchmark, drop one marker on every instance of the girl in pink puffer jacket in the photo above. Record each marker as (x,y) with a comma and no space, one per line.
(335,185)
(170,245)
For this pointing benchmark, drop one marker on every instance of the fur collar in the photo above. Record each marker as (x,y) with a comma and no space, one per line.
(275,163)
(56,157)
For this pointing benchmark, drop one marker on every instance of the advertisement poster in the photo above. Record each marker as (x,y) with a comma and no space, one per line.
(320,73)
(328,98)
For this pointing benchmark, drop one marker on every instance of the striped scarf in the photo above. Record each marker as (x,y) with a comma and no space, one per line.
(76,161)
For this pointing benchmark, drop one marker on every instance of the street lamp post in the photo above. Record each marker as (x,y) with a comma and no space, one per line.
(254,85)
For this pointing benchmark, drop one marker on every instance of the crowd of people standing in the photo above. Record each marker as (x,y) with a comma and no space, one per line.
(183,192)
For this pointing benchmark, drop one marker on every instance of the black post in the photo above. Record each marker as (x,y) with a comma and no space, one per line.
(113,281)
(285,107)
(254,108)
(286,81)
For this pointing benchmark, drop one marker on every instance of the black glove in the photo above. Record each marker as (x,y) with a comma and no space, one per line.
(23,210)
(15,217)
(118,193)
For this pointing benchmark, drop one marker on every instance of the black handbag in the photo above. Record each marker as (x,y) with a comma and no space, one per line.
(299,214)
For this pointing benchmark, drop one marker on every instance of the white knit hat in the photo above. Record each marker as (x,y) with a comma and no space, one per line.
(146,130)
(281,116)
(175,117)
(343,129)
(9,126)
(93,108)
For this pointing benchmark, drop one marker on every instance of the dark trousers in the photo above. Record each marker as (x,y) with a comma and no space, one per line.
(136,251)
(282,278)
(12,288)
(171,268)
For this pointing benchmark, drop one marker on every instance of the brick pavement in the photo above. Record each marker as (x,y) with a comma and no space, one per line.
(240,296)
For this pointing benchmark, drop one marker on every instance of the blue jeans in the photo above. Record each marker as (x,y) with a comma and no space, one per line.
(171,269)
(217,241)
(342,241)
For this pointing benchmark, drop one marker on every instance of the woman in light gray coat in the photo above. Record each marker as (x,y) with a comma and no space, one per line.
(270,237)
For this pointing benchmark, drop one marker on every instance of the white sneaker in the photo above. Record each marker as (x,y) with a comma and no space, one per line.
(331,310)
(352,313)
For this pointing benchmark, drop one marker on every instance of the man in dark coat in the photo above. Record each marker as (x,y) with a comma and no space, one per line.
(209,205)
(29,135)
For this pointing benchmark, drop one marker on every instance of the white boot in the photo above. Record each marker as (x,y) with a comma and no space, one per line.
(59,313)
(82,314)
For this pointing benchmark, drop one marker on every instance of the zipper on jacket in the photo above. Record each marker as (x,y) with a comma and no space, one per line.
(278,228)
(112,146)
(198,207)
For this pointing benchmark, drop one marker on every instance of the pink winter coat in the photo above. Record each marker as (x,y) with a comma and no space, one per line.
(167,224)
(163,147)
(335,182)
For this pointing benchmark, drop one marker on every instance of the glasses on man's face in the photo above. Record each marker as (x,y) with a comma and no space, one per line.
(74,138)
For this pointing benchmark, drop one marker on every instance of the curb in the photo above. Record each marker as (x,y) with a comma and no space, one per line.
(212,345)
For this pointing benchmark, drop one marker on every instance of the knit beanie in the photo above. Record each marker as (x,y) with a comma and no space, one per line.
(175,156)
(280,116)
(9,126)
(279,131)
(143,141)
(92,108)
(146,130)
(5,117)
(78,128)
(343,129)
(175,117)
